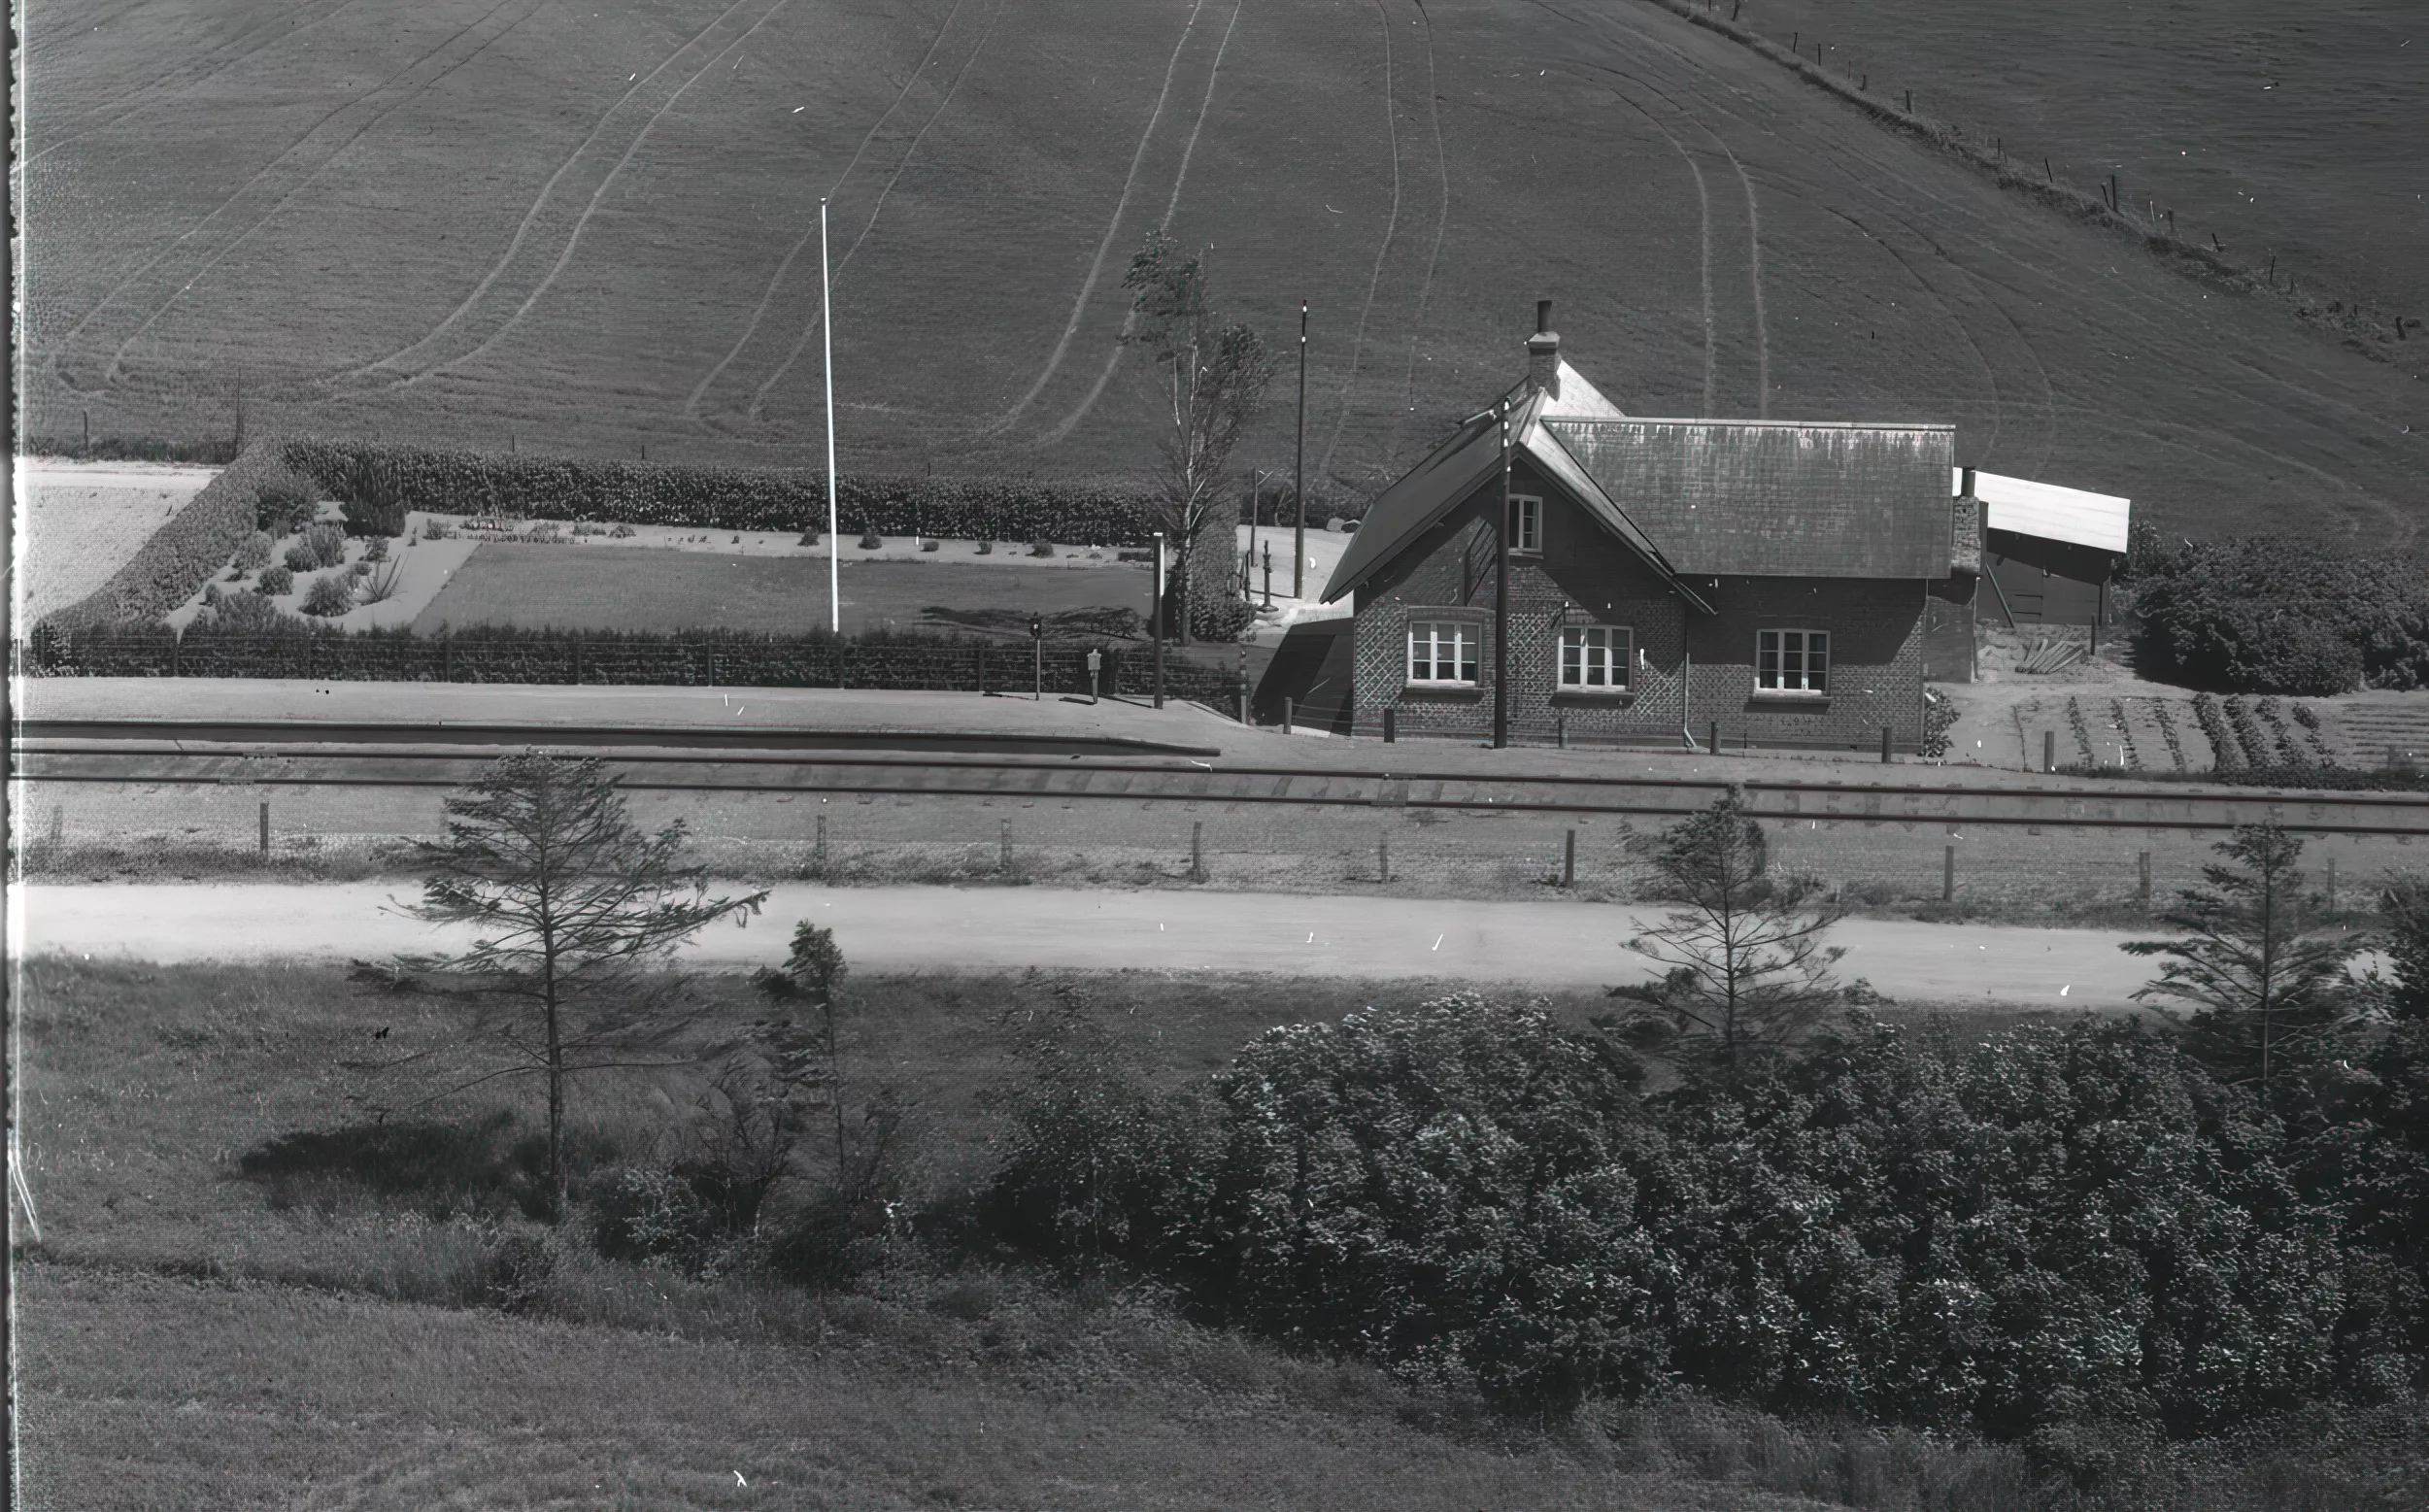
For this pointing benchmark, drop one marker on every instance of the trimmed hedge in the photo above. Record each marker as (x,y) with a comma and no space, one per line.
(722,499)
(2300,778)
(188,552)
(296,649)
(2267,615)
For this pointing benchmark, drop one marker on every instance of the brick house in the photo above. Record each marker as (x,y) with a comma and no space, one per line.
(1664,575)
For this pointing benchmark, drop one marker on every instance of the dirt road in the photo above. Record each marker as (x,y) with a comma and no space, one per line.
(893,929)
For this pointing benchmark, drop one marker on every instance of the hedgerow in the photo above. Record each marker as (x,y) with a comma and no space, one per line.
(1003,508)
(188,552)
(2267,615)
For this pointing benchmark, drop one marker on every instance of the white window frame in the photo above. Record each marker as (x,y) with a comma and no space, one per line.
(1618,653)
(1527,524)
(1467,635)
(1781,646)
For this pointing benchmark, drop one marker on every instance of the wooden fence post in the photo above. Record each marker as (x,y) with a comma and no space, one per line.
(1568,861)
(1383,858)
(2142,889)
(1198,849)
(2049,751)
(1948,874)
(1391,724)
(1884,745)
(1287,711)
(819,862)
(2330,884)
(265,827)
(1005,863)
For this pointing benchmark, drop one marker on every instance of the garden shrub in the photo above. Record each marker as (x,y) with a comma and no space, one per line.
(254,553)
(377,551)
(623,532)
(281,507)
(986,548)
(277,580)
(299,557)
(244,613)
(327,595)
(1041,548)
(871,541)
(1004,507)
(2268,614)
(1940,712)
(812,538)
(931,545)
(325,544)
(1221,618)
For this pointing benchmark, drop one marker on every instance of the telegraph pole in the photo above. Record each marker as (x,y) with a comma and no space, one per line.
(827,335)
(1298,469)
(1501,599)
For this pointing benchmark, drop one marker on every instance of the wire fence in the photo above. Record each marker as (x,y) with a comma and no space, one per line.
(952,667)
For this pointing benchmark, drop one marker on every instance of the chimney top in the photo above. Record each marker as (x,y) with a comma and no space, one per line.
(1543,352)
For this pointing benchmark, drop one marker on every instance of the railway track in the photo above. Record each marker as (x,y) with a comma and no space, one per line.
(1099,779)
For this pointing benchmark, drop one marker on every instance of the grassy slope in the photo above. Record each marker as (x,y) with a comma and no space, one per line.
(663,590)
(311,1360)
(2292,133)
(1607,154)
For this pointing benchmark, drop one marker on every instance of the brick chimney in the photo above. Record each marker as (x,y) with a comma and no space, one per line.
(1543,352)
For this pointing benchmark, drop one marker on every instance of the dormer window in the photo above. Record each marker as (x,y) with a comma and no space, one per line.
(1527,529)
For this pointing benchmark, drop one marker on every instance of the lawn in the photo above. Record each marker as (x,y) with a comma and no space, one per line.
(621,198)
(624,588)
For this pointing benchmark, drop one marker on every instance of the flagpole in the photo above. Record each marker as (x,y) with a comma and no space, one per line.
(826,334)
(1298,469)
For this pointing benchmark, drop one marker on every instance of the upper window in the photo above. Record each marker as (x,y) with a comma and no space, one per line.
(1796,662)
(1442,651)
(1530,513)
(1595,656)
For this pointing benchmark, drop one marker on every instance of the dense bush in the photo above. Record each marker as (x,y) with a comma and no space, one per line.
(282,505)
(725,498)
(377,551)
(327,595)
(254,553)
(2066,1231)
(2274,616)
(277,580)
(1221,618)
(872,542)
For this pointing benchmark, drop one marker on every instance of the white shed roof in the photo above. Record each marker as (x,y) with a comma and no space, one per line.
(2045,510)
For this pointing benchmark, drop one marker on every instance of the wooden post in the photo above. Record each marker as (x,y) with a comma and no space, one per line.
(2331,884)
(2142,886)
(818,862)
(1568,861)
(1391,724)
(1198,849)
(1383,858)
(1884,745)
(1287,713)
(1006,860)
(1947,873)
(1242,691)
(2049,751)
(982,671)
(1714,737)
(176,646)
(265,827)
(577,660)
(447,660)
(1560,729)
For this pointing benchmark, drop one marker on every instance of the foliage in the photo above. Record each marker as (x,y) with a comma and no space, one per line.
(2404,908)
(577,912)
(282,505)
(277,580)
(2271,615)
(871,541)
(997,507)
(246,611)
(1744,972)
(323,546)
(329,594)
(379,584)
(176,560)
(1212,374)
(1940,713)
(1220,618)
(377,549)
(372,488)
(2265,987)
(1041,547)
(254,553)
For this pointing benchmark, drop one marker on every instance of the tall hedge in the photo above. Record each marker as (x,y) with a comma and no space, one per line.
(188,552)
(2268,614)
(1001,508)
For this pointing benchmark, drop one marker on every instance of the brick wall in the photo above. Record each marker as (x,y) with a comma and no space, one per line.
(1586,576)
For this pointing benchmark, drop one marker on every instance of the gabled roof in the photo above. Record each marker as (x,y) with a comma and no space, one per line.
(1762,498)
(1452,471)
(2052,513)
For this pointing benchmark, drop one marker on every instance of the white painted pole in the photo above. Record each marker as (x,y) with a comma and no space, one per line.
(826,334)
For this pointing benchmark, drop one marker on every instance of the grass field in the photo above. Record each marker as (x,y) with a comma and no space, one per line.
(2293,133)
(485,221)
(627,589)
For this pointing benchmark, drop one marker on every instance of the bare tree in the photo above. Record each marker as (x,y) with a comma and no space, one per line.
(579,913)
(2261,977)
(1746,970)
(1211,380)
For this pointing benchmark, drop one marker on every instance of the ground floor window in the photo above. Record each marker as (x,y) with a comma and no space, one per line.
(1796,662)
(1595,656)
(1442,651)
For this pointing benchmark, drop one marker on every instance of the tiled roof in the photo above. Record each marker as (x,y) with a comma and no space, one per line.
(1778,499)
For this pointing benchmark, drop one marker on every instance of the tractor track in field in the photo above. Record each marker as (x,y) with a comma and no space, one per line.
(1391,229)
(767,295)
(767,385)
(289,155)
(408,362)
(1703,201)
(1189,149)
(1104,247)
